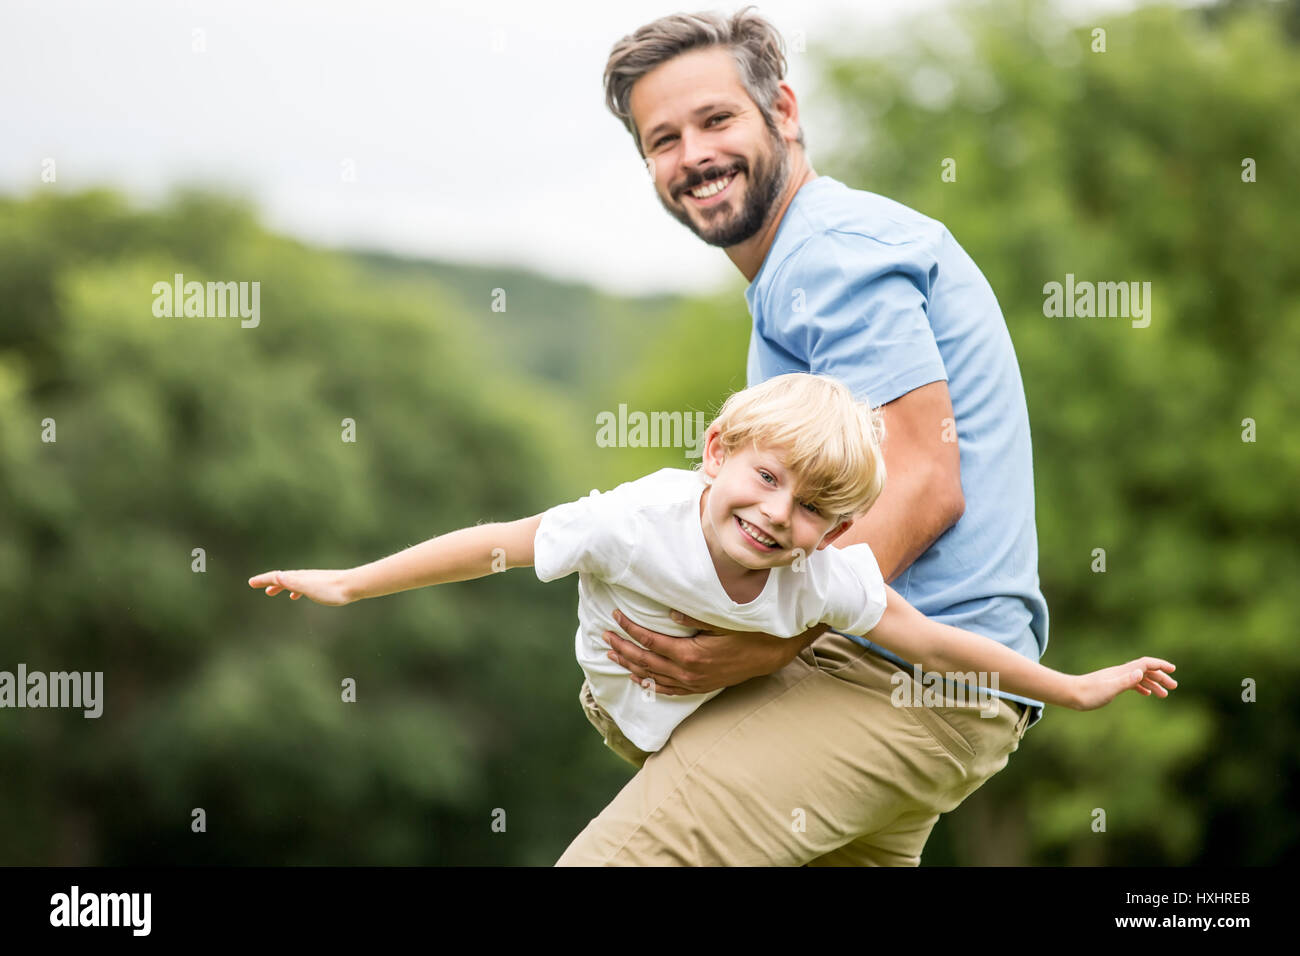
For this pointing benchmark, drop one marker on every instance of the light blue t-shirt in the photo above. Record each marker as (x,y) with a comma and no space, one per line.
(865,289)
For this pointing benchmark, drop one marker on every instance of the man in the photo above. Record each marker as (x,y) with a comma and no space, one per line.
(805,759)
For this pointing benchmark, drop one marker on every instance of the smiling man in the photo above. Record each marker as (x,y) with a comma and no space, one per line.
(804,759)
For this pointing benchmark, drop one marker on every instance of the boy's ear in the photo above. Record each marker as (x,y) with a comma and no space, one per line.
(713,453)
(835,532)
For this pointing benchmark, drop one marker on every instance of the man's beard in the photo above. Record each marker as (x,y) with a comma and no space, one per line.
(762,189)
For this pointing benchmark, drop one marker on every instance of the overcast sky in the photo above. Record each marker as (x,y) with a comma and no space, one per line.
(476,129)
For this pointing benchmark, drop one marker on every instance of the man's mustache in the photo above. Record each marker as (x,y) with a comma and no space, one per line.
(707,177)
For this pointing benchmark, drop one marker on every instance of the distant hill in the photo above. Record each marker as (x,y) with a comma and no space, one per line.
(564,332)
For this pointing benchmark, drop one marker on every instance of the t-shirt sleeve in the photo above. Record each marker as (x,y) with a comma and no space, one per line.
(593,534)
(858,309)
(857,590)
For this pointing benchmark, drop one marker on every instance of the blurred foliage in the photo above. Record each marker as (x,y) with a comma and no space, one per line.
(183,433)
(1126,165)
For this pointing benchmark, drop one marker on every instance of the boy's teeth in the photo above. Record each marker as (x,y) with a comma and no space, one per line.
(758,535)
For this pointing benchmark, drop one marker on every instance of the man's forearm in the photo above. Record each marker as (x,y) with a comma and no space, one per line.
(906,519)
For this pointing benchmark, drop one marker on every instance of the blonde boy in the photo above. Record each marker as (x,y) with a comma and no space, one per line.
(740,543)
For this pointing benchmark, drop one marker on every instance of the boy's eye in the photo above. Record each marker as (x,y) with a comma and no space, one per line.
(812,507)
(766,476)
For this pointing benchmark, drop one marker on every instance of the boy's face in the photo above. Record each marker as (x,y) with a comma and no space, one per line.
(753,498)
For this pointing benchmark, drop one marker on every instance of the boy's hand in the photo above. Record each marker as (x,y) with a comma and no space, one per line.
(323,587)
(1146,675)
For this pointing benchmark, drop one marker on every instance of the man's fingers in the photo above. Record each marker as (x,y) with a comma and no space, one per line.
(638,664)
(687,621)
(646,658)
(700,626)
(637,632)
(628,654)
(668,690)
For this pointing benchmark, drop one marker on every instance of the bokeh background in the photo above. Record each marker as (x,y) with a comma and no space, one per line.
(377,300)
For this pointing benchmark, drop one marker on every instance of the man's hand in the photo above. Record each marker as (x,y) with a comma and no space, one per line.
(711,660)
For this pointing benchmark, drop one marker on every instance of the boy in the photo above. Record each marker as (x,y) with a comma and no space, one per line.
(742,543)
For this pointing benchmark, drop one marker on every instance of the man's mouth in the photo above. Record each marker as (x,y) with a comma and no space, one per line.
(764,541)
(712,192)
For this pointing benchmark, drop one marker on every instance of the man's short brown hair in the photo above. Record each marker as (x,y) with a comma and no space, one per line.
(754,43)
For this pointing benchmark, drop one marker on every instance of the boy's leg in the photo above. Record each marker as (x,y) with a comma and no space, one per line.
(609,731)
(789,768)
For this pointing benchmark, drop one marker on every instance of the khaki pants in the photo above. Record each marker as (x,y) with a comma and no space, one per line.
(812,765)
(604,723)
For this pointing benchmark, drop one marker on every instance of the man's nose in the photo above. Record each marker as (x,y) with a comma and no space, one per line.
(697,153)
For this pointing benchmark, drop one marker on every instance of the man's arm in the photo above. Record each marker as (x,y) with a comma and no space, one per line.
(922,497)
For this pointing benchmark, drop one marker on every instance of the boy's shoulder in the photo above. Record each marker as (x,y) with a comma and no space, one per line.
(832,564)
(667,486)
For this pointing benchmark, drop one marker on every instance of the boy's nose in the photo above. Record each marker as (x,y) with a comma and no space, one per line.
(777,509)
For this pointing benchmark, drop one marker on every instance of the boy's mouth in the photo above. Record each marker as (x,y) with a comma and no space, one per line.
(759,539)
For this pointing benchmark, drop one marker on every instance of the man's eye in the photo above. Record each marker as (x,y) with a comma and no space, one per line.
(663,139)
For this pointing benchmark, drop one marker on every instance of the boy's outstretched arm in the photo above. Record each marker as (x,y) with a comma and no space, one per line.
(940,647)
(457,556)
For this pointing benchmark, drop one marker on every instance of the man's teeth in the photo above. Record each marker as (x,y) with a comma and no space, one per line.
(713,188)
(756,534)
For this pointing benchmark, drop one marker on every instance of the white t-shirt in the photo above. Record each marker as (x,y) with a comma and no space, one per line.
(640,548)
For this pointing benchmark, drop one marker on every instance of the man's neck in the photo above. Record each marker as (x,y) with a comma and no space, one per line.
(749,255)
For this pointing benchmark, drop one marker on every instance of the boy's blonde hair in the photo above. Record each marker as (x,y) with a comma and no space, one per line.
(829,440)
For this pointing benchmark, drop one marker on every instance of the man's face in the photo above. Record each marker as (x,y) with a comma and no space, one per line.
(699,127)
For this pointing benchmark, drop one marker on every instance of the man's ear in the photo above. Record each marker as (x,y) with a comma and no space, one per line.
(835,532)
